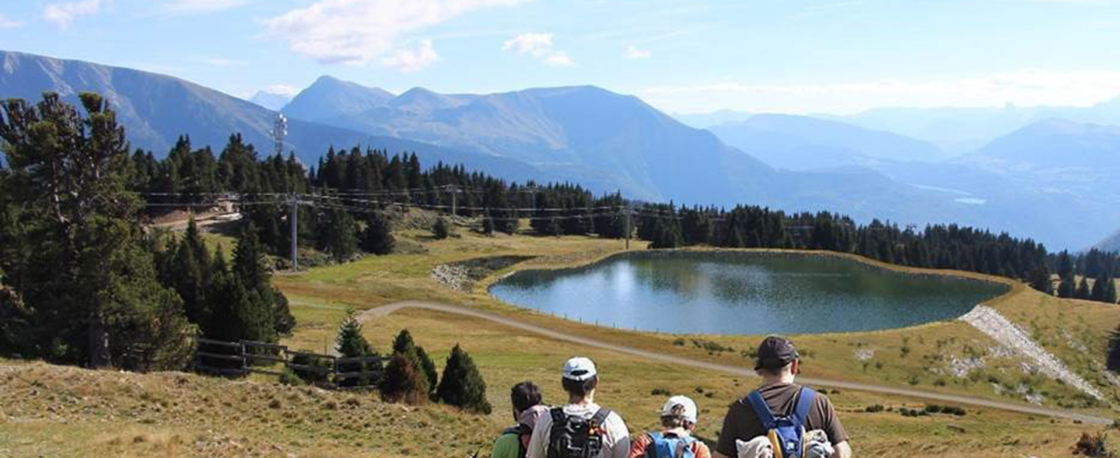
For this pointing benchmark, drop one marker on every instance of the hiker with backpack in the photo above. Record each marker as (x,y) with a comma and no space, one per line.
(678,420)
(527,409)
(580,429)
(775,418)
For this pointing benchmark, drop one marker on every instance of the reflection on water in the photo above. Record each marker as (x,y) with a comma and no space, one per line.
(742,293)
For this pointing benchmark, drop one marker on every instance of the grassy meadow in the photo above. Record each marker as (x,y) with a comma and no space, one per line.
(59,411)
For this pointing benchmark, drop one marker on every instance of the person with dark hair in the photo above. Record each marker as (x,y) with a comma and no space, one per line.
(527,409)
(678,420)
(580,429)
(777,415)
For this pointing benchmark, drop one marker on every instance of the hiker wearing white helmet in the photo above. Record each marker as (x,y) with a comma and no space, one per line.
(678,420)
(580,429)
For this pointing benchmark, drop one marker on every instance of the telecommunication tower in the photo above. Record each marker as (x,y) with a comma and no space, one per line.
(279,131)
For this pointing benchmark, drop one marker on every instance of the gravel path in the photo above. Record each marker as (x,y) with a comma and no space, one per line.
(996,326)
(734,370)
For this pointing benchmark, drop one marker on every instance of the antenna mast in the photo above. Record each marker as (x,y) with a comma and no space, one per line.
(279,131)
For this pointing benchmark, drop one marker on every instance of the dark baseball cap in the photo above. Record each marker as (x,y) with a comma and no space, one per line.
(775,353)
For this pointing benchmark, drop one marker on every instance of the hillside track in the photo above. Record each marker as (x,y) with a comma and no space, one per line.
(388,309)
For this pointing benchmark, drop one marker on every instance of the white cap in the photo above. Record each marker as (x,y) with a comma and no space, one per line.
(689,412)
(579,369)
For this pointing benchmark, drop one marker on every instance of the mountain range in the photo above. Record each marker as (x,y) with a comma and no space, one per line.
(608,141)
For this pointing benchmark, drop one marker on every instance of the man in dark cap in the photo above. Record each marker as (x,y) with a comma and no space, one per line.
(778,364)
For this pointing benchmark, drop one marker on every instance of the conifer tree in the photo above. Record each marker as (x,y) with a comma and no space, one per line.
(74,252)
(404,345)
(403,382)
(462,385)
(1068,286)
(378,237)
(350,343)
(1040,280)
(338,235)
(1083,291)
(253,275)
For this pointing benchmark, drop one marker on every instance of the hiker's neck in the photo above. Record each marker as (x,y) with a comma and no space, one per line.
(589,398)
(785,378)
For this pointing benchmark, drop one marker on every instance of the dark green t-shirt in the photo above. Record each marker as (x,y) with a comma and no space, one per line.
(743,424)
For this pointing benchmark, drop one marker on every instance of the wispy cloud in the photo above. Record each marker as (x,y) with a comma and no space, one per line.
(411,60)
(632,52)
(6,23)
(539,46)
(1028,87)
(63,14)
(198,6)
(361,31)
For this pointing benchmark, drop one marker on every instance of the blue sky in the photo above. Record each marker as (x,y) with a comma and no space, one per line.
(797,56)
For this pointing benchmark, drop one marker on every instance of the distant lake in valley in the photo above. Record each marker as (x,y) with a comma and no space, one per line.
(749,293)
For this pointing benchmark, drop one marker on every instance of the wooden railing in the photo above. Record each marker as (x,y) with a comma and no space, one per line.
(244,357)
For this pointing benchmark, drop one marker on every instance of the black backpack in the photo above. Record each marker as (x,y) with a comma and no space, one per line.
(573,436)
(523,433)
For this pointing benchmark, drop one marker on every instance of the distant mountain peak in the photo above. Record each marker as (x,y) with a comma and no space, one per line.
(330,97)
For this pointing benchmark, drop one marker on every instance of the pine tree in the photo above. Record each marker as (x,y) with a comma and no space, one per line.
(404,345)
(350,343)
(462,385)
(378,237)
(1040,280)
(1083,291)
(75,254)
(338,235)
(253,275)
(1068,286)
(403,382)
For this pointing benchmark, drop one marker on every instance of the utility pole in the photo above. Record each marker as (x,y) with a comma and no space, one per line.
(293,217)
(627,210)
(454,192)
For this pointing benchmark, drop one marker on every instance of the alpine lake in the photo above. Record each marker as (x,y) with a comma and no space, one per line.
(745,293)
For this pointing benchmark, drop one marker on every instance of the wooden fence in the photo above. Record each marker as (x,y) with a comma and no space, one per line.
(244,357)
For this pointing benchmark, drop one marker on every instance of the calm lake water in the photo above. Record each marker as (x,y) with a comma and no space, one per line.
(743,293)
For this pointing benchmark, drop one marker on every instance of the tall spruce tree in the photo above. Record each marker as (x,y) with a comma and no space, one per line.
(252,273)
(462,385)
(80,265)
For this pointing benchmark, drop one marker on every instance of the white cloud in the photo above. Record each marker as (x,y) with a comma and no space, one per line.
(282,89)
(538,45)
(632,52)
(6,23)
(63,14)
(199,6)
(535,44)
(1028,87)
(360,31)
(410,60)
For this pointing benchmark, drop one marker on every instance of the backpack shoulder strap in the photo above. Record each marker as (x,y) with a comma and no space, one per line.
(655,436)
(600,417)
(558,416)
(804,403)
(761,409)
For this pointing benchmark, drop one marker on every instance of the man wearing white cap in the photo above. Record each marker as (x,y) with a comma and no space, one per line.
(580,429)
(678,420)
